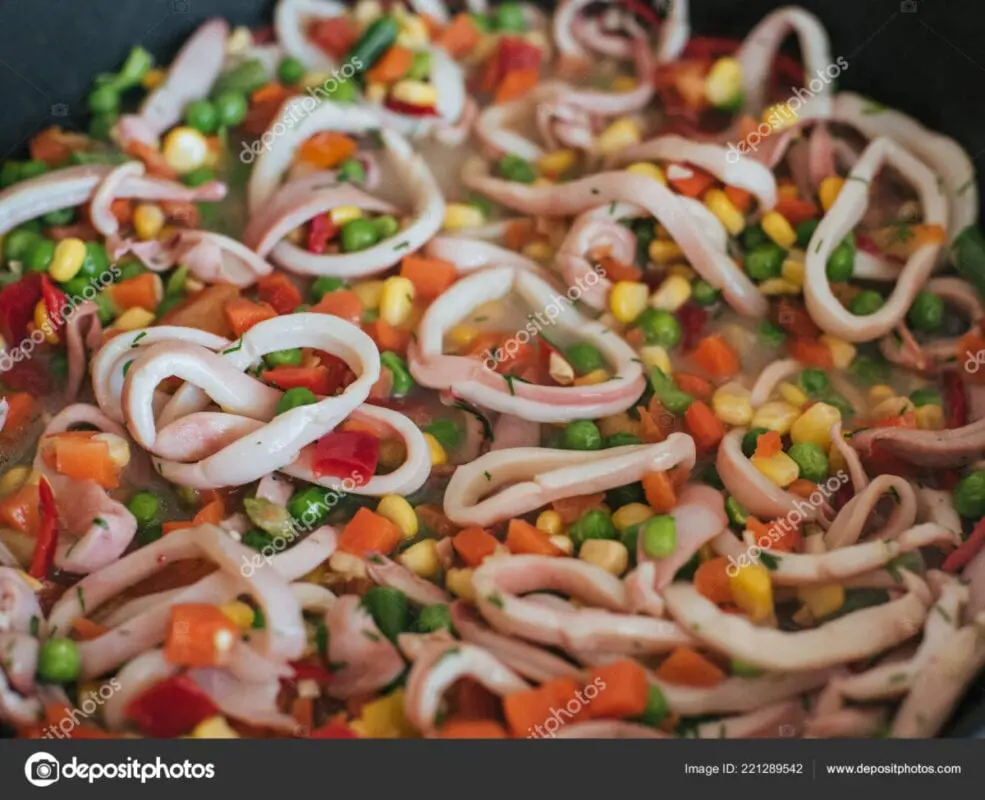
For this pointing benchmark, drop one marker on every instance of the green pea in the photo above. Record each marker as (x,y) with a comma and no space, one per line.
(750,439)
(10,173)
(659,327)
(39,256)
(176,282)
(811,460)
(231,107)
(870,370)
(509,18)
(624,495)
(593,524)
(481,202)
(814,381)
(324,285)
(260,623)
(765,262)
(106,310)
(704,294)
(386,226)
(104,100)
(927,312)
(96,262)
(203,116)
(584,358)
(63,216)
(343,92)
(245,78)
(144,506)
(447,432)
(805,230)
(659,536)
(482,22)
(841,262)
(146,534)
(256,539)
(309,506)
(866,302)
(132,269)
(670,397)
(294,398)
(969,496)
(169,302)
(926,397)
(290,71)
(390,610)
(198,177)
(657,708)
(582,434)
(33,169)
(513,168)
(101,126)
(736,514)
(433,618)
(771,333)
(754,236)
(622,440)
(75,287)
(352,171)
(18,243)
(358,234)
(744,669)
(402,380)
(630,538)
(32,225)
(59,661)
(284,358)
(420,66)
(644,230)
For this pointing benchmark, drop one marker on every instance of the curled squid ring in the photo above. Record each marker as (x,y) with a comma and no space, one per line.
(843,216)
(472,380)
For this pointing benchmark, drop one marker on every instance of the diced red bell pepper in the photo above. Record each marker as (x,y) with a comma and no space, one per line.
(347,454)
(17,302)
(960,558)
(47,540)
(170,708)
(333,730)
(316,379)
(54,301)
(27,376)
(692,318)
(955,400)
(278,290)
(335,35)
(400,107)
(517,53)
(641,9)
(311,669)
(320,232)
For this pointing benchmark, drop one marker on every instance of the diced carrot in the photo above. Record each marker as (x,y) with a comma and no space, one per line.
(524,538)
(516,83)
(802,487)
(570,508)
(19,510)
(143,291)
(279,291)
(20,410)
(87,629)
(327,149)
(906,420)
(623,690)
(616,270)
(316,379)
(199,635)
(472,700)
(527,712)
(809,353)
(687,667)
(430,276)
(53,145)
(902,240)
(777,536)
(264,104)
(711,580)
(433,518)
(695,184)
(368,532)
(303,711)
(78,455)
(768,444)
(211,513)
(474,545)
(703,425)
(694,385)
(740,198)
(122,209)
(472,729)
(387,337)
(243,314)
(182,212)
(343,303)
(795,210)
(393,65)
(659,490)
(460,36)
(203,310)
(716,357)
(153,159)
(518,234)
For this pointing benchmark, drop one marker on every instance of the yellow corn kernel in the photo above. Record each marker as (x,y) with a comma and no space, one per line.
(340,215)
(829,190)
(842,352)
(538,251)
(43,323)
(550,522)
(892,407)
(618,423)
(724,82)
(814,425)
(214,728)
(401,513)
(557,162)
(192,285)
(779,116)
(779,468)
(438,454)
(413,32)
(930,417)
(153,78)
(415,93)
(622,133)
(752,590)
(367,11)
(793,271)
(775,226)
(836,461)
(593,378)
(462,336)
(793,394)
(133,319)
(422,559)
(631,514)
(663,251)
(623,83)
(786,189)
(70,255)
(369,293)
(776,416)
(384,718)
(609,554)
(13,479)
(375,92)
(119,448)
(459,216)
(148,219)
(627,300)
(650,170)
(185,149)
(682,271)
(822,600)
(718,204)
(459,583)
(772,287)
(731,404)
(670,295)
(239,613)
(880,392)
(653,355)
(396,300)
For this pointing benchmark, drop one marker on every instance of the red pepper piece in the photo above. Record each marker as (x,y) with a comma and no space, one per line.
(17,303)
(316,379)
(311,669)
(333,730)
(955,401)
(54,302)
(278,290)
(335,36)
(400,107)
(960,558)
(321,231)
(347,454)
(44,548)
(692,318)
(170,708)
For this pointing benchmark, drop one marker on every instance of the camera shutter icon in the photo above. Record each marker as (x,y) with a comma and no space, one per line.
(42,769)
